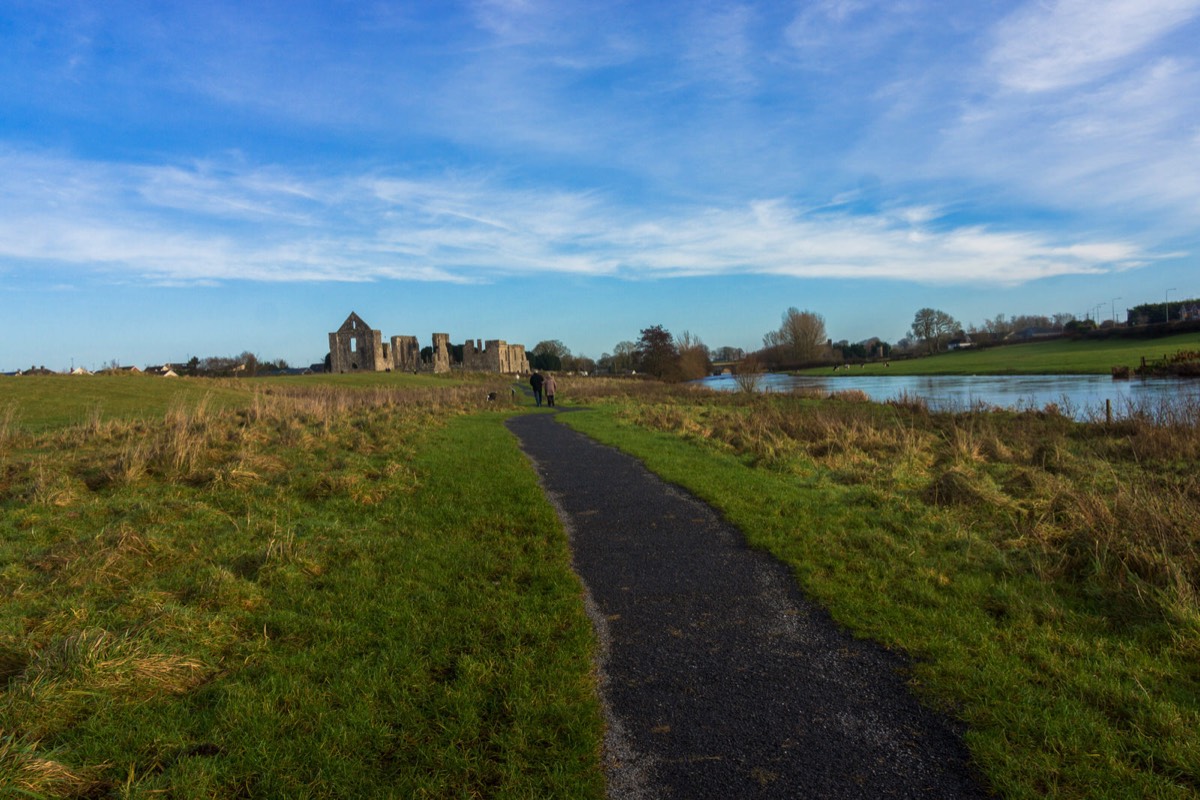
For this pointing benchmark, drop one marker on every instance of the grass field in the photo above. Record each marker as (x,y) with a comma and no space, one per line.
(1057,357)
(310,592)
(354,586)
(44,402)
(1043,574)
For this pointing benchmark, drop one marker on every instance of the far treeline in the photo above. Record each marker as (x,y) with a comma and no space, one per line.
(801,340)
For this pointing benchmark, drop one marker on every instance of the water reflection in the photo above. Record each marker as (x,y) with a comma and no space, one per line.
(1081,395)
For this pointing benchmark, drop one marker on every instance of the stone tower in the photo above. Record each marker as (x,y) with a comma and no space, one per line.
(441,352)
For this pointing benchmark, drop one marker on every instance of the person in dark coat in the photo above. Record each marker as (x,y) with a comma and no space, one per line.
(536,380)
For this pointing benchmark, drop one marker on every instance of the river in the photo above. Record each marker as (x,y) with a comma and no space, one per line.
(1081,396)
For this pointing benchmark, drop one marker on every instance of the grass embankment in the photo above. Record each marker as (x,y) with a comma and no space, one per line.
(1057,357)
(1043,574)
(311,593)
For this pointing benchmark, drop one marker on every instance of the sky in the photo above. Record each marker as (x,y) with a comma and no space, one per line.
(186,179)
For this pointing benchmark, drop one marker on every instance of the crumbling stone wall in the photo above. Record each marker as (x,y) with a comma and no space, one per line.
(496,355)
(517,360)
(406,354)
(356,347)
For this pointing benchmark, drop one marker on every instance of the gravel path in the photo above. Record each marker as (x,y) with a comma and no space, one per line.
(720,679)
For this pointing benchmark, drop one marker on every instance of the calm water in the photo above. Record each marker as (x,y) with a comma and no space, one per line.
(1082,395)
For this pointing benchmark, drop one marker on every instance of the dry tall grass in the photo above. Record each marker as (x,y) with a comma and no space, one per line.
(8,418)
(102,506)
(1111,506)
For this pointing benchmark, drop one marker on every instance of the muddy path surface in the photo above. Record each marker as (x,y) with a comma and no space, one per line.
(719,678)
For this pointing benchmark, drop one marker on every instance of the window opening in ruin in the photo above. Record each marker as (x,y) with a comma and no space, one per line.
(354,345)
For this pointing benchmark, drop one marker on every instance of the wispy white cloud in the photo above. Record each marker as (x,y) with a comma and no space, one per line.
(171,224)
(1080,112)
(1122,150)
(1049,46)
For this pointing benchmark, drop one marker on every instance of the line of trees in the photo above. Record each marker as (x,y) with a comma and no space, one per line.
(802,340)
(665,356)
(553,355)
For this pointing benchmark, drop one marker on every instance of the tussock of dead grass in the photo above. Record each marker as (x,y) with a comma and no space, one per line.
(8,423)
(48,486)
(850,396)
(29,773)
(958,486)
(94,659)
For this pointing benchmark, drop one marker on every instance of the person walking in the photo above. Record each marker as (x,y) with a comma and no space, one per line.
(549,386)
(536,380)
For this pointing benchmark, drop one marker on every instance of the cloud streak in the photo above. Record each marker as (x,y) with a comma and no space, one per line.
(215,223)
(1046,47)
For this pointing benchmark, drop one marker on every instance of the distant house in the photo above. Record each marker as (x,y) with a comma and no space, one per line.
(162,370)
(961,343)
(80,371)
(1027,334)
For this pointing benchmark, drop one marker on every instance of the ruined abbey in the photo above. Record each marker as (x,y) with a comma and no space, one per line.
(354,347)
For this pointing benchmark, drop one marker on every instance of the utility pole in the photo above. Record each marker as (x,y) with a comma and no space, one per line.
(1114,310)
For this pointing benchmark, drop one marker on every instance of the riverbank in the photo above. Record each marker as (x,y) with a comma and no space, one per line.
(1080,397)
(1057,357)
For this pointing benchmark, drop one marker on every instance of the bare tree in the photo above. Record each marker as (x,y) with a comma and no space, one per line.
(748,374)
(933,327)
(1061,320)
(802,334)
(695,361)
(622,358)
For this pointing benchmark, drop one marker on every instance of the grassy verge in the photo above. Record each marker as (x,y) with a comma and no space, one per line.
(1043,574)
(1058,357)
(316,593)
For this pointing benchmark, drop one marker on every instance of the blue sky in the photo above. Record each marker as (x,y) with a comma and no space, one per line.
(202,179)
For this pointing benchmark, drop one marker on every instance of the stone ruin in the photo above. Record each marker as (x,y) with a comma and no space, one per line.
(355,347)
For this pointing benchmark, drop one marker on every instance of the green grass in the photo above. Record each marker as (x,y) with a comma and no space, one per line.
(318,594)
(1058,357)
(1052,608)
(46,402)
(39,403)
(354,587)
(352,380)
